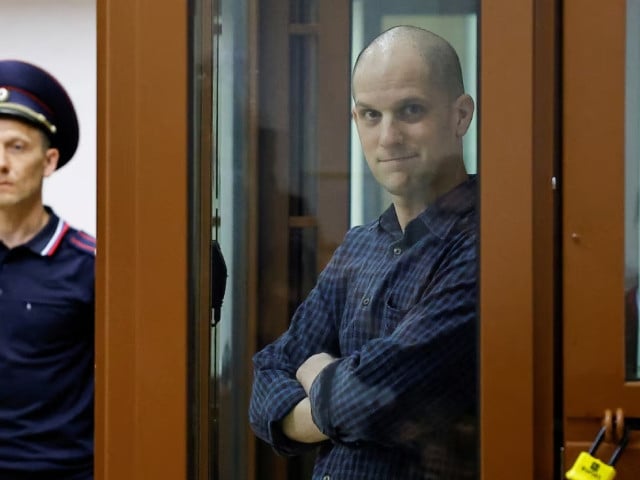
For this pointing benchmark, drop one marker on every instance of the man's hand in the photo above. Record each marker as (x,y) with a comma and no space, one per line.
(311,367)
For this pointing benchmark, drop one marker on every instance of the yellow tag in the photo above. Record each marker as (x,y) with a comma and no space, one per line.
(590,468)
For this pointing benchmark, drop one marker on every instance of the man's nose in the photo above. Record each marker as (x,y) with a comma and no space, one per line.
(391,133)
(3,158)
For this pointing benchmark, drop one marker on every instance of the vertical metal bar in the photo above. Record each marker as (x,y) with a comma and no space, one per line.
(201,140)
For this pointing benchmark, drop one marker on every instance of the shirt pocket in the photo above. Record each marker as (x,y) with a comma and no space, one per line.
(391,318)
(43,326)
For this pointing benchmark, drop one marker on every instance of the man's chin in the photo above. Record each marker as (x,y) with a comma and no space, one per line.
(7,201)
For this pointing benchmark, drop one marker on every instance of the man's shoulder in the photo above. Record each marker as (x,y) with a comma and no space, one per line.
(81,241)
(360,233)
(365,228)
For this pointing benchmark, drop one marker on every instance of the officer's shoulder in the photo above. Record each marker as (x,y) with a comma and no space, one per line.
(81,241)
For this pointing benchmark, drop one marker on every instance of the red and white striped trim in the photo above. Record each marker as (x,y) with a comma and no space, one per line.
(55,239)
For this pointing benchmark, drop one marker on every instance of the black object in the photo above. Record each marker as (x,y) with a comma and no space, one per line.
(218,280)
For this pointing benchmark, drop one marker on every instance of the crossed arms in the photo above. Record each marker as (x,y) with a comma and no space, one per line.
(310,386)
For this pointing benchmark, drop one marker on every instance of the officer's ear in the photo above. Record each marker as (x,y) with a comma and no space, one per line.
(51,157)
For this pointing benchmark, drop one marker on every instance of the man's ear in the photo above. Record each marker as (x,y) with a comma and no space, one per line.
(463,109)
(51,157)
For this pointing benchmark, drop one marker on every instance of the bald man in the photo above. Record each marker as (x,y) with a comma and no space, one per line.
(378,367)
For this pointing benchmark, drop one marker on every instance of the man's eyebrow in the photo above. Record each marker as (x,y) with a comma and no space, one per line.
(14,136)
(413,99)
(398,104)
(360,104)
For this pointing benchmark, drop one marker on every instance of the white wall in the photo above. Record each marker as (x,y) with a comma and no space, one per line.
(60,36)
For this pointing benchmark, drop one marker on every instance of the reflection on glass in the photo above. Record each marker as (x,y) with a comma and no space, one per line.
(632,190)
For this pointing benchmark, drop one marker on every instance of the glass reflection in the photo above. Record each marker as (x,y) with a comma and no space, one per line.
(632,193)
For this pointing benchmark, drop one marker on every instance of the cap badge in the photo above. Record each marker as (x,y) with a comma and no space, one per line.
(4,94)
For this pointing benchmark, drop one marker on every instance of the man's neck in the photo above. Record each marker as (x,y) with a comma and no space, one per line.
(409,208)
(19,224)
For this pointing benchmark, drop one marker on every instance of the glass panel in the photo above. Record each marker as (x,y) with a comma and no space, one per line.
(632,182)
(372,364)
(304,154)
(222,164)
(283,192)
(233,195)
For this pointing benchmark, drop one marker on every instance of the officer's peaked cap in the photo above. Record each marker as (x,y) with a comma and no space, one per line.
(31,94)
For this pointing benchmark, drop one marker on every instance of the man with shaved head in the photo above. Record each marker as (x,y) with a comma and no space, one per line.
(378,368)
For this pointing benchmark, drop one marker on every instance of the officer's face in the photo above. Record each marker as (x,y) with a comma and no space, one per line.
(25,160)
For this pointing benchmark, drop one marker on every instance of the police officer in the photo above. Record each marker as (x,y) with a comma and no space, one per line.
(46,289)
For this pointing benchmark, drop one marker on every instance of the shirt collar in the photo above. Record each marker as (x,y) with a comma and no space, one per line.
(47,240)
(438,217)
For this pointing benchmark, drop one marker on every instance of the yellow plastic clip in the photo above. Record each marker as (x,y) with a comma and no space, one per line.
(588,467)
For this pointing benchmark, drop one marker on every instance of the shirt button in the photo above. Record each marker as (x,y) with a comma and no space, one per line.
(397,251)
(326,477)
(365,301)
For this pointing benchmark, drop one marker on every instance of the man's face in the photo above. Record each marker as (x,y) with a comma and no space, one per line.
(410,130)
(24,161)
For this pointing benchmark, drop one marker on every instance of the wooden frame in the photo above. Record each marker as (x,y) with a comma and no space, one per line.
(141,349)
(518,152)
(141,308)
(593,223)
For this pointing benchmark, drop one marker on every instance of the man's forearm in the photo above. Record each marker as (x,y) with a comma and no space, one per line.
(298,424)
(311,368)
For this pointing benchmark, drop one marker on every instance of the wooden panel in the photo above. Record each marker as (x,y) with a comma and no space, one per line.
(546,143)
(506,258)
(334,122)
(593,236)
(141,270)
(203,439)
(593,197)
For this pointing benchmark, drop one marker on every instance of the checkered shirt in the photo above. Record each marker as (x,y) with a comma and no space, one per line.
(399,309)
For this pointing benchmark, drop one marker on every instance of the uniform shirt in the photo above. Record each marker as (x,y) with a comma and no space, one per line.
(399,310)
(46,355)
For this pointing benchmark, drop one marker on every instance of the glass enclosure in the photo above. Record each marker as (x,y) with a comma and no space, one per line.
(632,181)
(288,178)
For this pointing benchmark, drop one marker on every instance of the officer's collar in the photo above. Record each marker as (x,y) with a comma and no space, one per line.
(48,239)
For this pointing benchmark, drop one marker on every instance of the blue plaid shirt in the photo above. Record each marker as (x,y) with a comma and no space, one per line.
(399,310)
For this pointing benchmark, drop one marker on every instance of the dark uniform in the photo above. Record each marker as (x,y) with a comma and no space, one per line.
(46,313)
(46,354)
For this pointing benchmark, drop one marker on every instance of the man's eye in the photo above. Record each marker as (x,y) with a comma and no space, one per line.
(370,115)
(412,110)
(17,147)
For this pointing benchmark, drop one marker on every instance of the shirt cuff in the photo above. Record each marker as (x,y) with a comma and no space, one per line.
(282,444)
(320,398)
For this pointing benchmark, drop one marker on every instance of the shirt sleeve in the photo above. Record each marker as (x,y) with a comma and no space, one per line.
(418,381)
(313,329)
